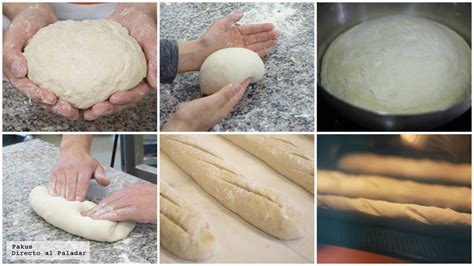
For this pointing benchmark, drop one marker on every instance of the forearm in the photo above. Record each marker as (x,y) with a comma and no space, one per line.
(191,55)
(147,8)
(11,10)
(76,143)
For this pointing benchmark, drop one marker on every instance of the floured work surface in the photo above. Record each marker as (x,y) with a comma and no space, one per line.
(237,241)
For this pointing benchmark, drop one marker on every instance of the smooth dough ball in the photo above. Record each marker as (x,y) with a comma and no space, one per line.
(66,215)
(229,65)
(398,64)
(84,62)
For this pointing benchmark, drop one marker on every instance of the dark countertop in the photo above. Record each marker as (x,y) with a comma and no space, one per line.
(27,165)
(22,115)
(284,99)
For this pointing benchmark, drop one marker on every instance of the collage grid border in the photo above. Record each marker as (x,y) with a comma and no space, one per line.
(314,132)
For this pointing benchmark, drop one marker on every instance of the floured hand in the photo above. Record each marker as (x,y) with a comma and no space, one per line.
(140,20)
(27,19)
(204,113)
(135,202)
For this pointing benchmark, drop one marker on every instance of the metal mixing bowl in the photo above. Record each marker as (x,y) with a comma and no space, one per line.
(335,18)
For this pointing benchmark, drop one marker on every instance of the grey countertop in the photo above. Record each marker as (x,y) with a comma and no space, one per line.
(22,115)
(284,99)
(27,165)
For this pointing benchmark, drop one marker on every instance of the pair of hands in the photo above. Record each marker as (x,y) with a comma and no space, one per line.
(27,19)
(70,179)
(204,113)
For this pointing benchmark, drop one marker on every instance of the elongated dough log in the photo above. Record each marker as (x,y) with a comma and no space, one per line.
(394,190)
(183,230)
(281,154)
(261,207)
(418,169)
(66,215)
(432,216)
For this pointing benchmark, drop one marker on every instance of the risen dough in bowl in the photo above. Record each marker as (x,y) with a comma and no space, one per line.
(398,64)
(84,62)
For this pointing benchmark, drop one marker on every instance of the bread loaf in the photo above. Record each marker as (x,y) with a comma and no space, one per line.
(259,206)
(417,169)
(281,154)
(398,212)
(394,190)
(183,230)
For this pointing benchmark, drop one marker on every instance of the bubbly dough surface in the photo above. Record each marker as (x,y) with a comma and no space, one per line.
(398,64)
(66,215)
(230,65)
(84,62)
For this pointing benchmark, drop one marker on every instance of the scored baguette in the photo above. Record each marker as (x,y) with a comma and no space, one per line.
(417,169)
(281,154)
(399,212)
(394,190)
(261,207)
(183,230)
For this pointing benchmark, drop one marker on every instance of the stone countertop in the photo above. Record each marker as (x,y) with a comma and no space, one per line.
(27,165)
(284,99)
(22,115)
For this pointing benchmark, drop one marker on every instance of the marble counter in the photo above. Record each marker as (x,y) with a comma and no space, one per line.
(284,99)
(22,115)
(27,165)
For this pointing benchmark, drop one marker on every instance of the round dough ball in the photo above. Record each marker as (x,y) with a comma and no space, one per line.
(84,62)
(230,65)
(398,64)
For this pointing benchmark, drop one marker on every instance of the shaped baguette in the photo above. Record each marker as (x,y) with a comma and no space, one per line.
(183,230)
(417,169)
(280,154)
(261,207)
(397,212)
(394,190)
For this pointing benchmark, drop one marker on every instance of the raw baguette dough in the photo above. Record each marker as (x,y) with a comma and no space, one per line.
(183,230)
(389,189)
(84,62)
(66,215)
(418,214)
(417,169)
(398,64)
(281,154)
(261,207)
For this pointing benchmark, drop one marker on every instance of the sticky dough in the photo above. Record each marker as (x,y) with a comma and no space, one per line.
(398,64)
(84,62)
(66,215)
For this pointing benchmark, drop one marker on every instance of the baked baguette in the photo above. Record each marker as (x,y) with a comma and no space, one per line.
(261,207)
(394,190)
(280,154)
(398,212)
(417,169)
(183,230)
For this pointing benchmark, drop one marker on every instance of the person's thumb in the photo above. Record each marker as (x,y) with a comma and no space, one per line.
(228,21)
(14,63)
(224,95)
(100,177)
(238,96)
